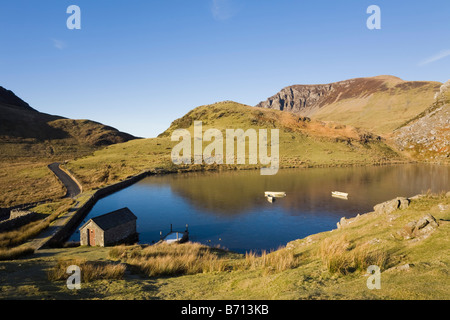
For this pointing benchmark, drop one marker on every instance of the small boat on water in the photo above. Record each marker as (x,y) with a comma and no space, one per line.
(271,195)
(338,194)
(275,194)
(175,236)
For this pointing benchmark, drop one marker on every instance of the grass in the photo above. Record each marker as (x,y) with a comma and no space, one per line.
(170,260)
(15,253)
(383,111)
(187,259)
(24,176)
(50,212)
(340,256)
(90,270)
(328,265)
(302,144)
(270,262)
(27,181)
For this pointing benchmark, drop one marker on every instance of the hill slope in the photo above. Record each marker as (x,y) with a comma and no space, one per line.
(30,140)
(25,132)
(303,143)
(427,136)
(378,104)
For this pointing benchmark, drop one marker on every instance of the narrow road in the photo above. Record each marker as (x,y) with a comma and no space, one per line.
(71,186)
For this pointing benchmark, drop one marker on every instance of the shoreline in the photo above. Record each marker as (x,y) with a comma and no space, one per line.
(83,206)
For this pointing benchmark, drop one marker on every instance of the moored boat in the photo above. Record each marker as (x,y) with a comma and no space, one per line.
(275,194)
(339,194)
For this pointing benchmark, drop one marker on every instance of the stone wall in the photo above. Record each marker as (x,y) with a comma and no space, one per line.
(69,228)
(120,233)
(18,221)
(4,214)
(99,235)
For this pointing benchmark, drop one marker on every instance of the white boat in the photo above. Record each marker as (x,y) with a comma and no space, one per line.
(175,236)
(339,194)
(274,194)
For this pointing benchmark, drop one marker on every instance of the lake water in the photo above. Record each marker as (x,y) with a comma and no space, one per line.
(229,208)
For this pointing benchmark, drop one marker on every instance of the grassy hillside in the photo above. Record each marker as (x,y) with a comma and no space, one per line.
(30,140)
(303,143)
(384,111)
(328,265)
(426,136)
(378,104)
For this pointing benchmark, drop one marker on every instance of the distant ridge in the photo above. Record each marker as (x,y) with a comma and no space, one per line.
(7,97)
(26,132)
(379,104)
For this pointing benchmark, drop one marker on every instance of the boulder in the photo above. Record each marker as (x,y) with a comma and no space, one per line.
(421,228)
(391,205)
(427,220)
(343,222)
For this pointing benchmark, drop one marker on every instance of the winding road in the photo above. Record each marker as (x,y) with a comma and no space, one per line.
(73,189)
(71,185)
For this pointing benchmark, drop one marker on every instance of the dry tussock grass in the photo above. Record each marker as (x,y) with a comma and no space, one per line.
(90,270)
(191,258)
(341,256)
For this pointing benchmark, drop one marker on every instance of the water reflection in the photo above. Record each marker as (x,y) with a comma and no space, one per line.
(233,193)
(231,206)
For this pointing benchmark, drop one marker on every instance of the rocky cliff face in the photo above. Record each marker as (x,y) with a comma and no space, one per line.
(378,104)
(427,136)
(308,99)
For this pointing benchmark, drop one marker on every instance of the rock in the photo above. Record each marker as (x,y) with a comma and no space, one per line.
(426,220)
(403,203)
(405,267)
(447,194)
(410,226)
(343,222)
(417,196)
(391,205)
(421,228)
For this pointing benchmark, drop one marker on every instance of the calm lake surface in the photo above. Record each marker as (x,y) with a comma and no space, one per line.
(229,208)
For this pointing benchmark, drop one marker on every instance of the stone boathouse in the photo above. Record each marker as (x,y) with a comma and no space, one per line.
(109,229)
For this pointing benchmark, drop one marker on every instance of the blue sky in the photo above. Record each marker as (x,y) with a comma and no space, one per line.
(139,65)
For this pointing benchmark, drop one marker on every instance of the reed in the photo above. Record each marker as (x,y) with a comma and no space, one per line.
(343,257)
(170,259)
(276,261)
(90,270)
(15,253)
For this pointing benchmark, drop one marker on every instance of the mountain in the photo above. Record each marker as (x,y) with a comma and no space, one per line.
(26,132)
(427,136)
(8,98)
(378,104)
(302,143)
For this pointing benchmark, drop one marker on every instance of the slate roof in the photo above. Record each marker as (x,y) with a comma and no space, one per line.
(113,219)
